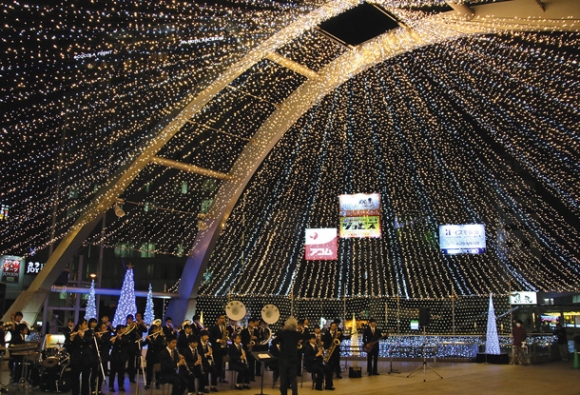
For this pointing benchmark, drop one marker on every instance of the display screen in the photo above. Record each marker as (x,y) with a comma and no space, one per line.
(462,239)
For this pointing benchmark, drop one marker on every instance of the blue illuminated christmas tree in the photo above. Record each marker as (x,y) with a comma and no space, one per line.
(91,311)
(492,343)
(149,316)
(127,303)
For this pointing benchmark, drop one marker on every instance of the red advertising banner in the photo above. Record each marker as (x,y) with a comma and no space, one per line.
(11,269)
(321,244)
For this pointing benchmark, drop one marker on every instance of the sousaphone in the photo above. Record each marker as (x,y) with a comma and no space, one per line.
(235,310)
(270,314)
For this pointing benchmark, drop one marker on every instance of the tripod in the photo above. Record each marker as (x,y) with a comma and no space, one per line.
(425,365)
(141,367)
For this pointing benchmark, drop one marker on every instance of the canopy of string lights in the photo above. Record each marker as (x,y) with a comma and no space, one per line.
(159,109)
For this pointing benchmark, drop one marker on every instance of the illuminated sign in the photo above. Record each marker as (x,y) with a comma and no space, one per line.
(359,205)
(10,269)
(33,267)
(521,297)
(360,227)
(321,244)
(462,239)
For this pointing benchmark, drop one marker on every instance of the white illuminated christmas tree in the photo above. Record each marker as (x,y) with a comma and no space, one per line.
(492,343)
(149,316)
(127,303)
(91,311)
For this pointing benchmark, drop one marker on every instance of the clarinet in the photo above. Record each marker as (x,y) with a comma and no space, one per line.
(182,358)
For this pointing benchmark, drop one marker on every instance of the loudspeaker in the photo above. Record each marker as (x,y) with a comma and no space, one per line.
(424,316)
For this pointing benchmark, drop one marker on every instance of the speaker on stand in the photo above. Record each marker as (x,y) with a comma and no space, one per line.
(424,321)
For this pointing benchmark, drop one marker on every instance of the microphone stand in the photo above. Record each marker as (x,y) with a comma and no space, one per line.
(142,368)
(100,363)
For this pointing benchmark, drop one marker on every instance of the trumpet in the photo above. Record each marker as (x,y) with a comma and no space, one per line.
(154,335)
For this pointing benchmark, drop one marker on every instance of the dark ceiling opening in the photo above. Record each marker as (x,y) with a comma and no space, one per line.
(360,24)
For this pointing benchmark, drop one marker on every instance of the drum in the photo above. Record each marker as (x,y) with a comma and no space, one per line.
(56,379)
(53,357)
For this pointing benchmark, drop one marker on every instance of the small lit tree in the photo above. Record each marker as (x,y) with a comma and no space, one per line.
(492,343)
(91,311)
(149,316)
(127,303)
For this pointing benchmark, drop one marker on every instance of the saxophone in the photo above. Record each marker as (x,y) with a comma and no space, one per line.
(335,343)
(225,338)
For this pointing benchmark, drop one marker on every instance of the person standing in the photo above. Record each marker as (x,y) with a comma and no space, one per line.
(155,342)
(314,363)
(334,334)
(519,337)
(371,337)
(562,336)
(118,359)
(218,338)
(249,340)
(288,338)
(81,358)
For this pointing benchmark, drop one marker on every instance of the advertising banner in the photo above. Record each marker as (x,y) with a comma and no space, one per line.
(10,268)
(359,205)
(462,239)
(360,227)
(321,244)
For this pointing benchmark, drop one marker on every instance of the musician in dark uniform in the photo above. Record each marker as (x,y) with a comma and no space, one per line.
(170,364)
(193,368)
(81,358)
(183,339)
(239,363)
(18,337)
(132,332)
(118,358)
(371,337)
(288,338)
(333,334)
(263,338)
(314,363)
(155,342)
(104,342)
(196,325)
(218,338)
(206,351)
(250,335)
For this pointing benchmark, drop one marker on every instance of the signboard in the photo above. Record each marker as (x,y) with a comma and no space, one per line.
(360,227)
(359,205)
(33,267)
(522,297)
(10,268)
(321,244)
(462,239)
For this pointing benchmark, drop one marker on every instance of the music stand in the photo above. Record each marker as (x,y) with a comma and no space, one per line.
(424,365)
(263,357)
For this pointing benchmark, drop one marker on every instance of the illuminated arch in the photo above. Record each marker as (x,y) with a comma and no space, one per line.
(518,15)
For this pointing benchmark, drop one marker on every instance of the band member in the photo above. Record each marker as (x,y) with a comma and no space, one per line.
(70,326)
(239,363)
(134,352)
(19,337)
(249,340)
(234,329)
(155,342)
(95,370)
(319,334)
(218,336)
(141,325)
(109,324)
(183,339)
(371,337)
(333,334)
(193,368)
(314,363)
(171,362)
(119,356)
(288,361)
(197,326)
(273,363)
(169,329)
(209,369)
(263,334)
(103,336)
(81,358)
